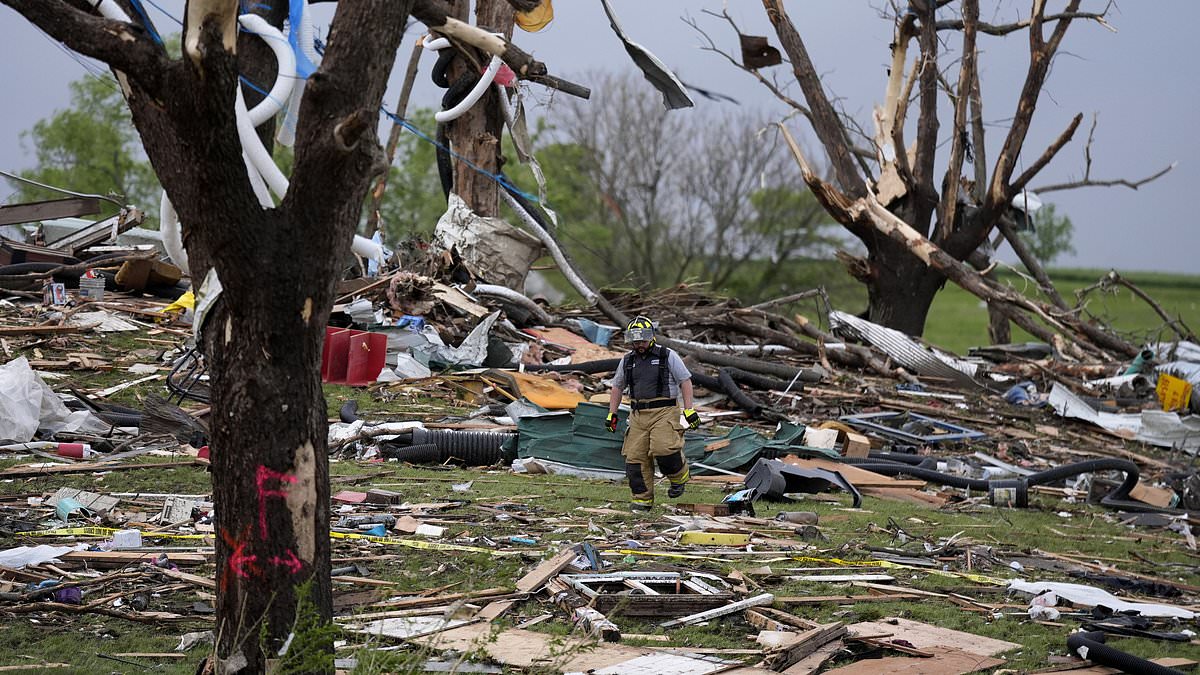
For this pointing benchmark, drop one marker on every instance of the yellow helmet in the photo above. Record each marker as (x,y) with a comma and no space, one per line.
(640,328)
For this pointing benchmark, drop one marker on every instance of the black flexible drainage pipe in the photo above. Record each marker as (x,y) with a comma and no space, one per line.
(1090,646)
(589,367)
(1118,498)
(427,453)
(474,448)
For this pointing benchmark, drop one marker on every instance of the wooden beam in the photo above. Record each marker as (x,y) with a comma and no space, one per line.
(14,214)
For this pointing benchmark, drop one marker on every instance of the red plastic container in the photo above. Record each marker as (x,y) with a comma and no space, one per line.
(352,357)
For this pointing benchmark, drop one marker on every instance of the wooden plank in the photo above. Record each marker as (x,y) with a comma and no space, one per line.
(763,599)
(814,661)
(45,330)
(803,644)
(30,472)
(926,637)
(122,558)
(15,214)
(494,610)
(194,579)
(539,575)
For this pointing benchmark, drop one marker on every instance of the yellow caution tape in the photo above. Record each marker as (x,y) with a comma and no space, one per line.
(427,545)
(424,545)
(92,531)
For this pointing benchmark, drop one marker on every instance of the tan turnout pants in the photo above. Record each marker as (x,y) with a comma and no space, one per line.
(653,434)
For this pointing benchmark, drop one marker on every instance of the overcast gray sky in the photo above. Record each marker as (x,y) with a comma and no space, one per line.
(1143,80)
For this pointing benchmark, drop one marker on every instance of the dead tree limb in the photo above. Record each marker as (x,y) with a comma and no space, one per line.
(1112,278)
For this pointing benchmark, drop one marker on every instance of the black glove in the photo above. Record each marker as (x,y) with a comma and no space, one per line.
(610,422)
(692,418)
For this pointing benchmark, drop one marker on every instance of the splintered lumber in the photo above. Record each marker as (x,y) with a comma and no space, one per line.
(31,472)
(927,637)
(814,661)
(194,579)
(803,644)
(532,650)
(123,558)
(430,601)
(539,575)
(763,599)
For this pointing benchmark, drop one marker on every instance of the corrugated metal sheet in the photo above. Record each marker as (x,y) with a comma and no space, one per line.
(904,350)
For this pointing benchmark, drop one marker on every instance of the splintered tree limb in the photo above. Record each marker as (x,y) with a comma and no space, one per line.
(824,118)
(870,210)
(1007,28)
(1112,278)
(1031,263)
(1041,54)
(1048,154)
(966,76)
(437,17)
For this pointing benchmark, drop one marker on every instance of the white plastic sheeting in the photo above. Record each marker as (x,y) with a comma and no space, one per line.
(27,404)
(1088,596)
(1163,429)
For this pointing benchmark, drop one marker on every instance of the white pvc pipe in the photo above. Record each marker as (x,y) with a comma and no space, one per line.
(474,95)
(253,147)
(436,43)
(110,10)
(286,59)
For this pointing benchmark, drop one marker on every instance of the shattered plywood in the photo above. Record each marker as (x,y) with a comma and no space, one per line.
(945,661)
(925,636)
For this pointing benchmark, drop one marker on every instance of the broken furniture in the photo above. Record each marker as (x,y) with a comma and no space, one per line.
(651,593)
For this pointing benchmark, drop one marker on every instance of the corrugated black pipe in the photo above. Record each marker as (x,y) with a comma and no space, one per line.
(474,448)
(1118,498)
(1090,646)
(427,453)
(761,382)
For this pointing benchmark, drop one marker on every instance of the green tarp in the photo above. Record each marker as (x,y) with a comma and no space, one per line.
(580,439)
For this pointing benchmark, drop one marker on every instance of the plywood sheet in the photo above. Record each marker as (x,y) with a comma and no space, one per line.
(927,637)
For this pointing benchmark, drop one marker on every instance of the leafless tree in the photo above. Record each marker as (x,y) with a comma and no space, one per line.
(277,266)
(920,215)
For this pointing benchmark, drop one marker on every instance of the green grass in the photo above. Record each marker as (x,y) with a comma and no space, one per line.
(958,319)
(552,504)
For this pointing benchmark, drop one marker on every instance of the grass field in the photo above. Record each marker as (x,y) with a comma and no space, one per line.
(958,320)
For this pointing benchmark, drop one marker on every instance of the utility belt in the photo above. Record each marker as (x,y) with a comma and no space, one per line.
(649,404)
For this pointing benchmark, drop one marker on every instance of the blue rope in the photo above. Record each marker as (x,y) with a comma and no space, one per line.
(141,12)
(159,7)
(500,179)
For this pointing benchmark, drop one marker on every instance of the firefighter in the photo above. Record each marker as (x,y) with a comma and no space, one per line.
(655,377)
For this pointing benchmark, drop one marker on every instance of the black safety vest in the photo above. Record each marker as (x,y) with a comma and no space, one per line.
(664,370)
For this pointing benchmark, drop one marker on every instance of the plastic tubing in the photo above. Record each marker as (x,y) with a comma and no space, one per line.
(1118,498)
(1090,646)
(286,78)
(516,298)
(472,96)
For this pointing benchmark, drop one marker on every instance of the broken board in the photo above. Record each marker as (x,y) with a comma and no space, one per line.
(927,637)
